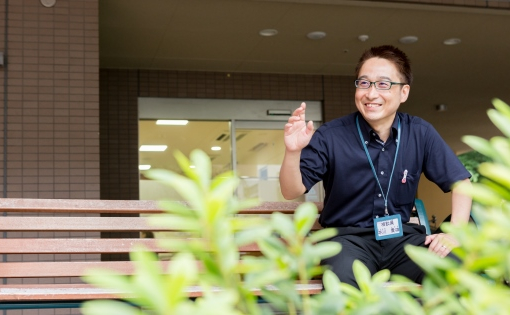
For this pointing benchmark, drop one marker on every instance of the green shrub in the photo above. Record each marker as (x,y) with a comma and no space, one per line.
(478,285)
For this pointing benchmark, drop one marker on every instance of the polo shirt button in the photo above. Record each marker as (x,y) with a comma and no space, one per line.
(382,172)
(379,195)
(366,142)
(382,149)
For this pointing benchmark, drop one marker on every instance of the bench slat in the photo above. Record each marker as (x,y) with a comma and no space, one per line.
(84,246)
(72,246)
(84,224)
(52,269)
(63,292)
(88,224)
(120,206)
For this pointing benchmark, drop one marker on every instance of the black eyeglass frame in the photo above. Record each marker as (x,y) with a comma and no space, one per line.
(375,85)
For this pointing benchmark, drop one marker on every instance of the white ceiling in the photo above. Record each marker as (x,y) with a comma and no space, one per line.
(222,35)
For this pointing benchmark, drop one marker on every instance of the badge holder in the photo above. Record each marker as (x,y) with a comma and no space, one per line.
(389,226)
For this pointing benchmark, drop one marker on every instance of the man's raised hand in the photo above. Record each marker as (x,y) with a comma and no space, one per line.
(297,133)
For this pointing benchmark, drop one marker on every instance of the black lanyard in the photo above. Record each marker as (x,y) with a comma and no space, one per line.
(372,164)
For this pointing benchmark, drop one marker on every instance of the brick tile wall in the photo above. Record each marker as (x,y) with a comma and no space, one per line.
(497,4)
(49,89)
(52,62)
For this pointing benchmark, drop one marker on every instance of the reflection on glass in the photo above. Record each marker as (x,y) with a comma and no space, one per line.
(212,137)
(259,154)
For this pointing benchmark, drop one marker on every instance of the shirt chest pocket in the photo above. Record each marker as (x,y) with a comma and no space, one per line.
(406,187)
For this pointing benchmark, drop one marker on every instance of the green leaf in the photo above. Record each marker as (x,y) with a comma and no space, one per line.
(304,217)
(325,249)
(202,168)
(186,188)
(481,193)
(331,282)
(362,275)
(270,277)
(224,189)
(496,172)
(496,188)
(501,106)
(481,145)
(109,307)
(147,282)
(108,279)
(271,247)
(283,225)
(251,235)
(500,121)
(177,208)
(502,147)
(322,234)
(433,265)
(182,272)
(175,223)
(185,165)
(381,276)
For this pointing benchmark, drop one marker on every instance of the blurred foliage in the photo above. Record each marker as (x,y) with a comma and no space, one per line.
(477,285)
(471,161)
(292,254)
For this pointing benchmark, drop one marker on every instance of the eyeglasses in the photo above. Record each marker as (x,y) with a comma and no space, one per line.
(379,85)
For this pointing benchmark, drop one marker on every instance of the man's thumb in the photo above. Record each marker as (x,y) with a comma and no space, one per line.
(309,126)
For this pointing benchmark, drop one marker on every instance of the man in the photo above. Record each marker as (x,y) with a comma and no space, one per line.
(370,163)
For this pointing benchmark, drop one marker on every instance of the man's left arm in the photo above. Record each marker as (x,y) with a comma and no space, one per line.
(443,243)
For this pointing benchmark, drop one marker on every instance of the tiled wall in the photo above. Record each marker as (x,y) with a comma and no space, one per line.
(50,95)
(119,117)
(49,121)
(497,4)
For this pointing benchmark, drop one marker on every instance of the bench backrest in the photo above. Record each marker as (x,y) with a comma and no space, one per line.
(58,228)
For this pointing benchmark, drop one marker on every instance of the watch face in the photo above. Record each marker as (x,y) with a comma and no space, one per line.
(48,3)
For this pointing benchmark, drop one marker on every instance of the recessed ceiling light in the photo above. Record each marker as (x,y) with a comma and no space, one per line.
(408,39)
(363,38)
(268,32)
(172,122)
(216,148)
(452,41)
(144,167)
(153,148)
(316,35)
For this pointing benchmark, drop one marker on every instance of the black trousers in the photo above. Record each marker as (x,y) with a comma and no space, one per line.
(360,244)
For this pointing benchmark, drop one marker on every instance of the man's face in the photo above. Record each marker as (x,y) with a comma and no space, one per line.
(378,107)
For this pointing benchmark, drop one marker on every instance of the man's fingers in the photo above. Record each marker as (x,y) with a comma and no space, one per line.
(440,244)
(309,126)
(430,238)
(303,109)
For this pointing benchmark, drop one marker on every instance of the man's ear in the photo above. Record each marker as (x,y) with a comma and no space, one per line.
(404,93)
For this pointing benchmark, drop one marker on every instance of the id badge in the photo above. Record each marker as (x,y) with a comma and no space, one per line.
(388,227)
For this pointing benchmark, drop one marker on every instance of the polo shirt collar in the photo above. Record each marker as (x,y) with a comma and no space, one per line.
(369,133)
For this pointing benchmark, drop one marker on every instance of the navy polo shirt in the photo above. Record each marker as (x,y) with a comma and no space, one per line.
(353,197)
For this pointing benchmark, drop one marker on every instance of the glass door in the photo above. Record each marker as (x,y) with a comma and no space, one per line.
(259,153)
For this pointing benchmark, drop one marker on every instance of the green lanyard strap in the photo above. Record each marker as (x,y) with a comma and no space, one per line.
(372,164)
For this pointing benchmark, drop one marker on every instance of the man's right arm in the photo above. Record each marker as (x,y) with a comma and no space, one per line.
(297,135)
(291,183)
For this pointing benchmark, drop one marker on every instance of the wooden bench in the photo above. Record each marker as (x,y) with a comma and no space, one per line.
(49,241)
